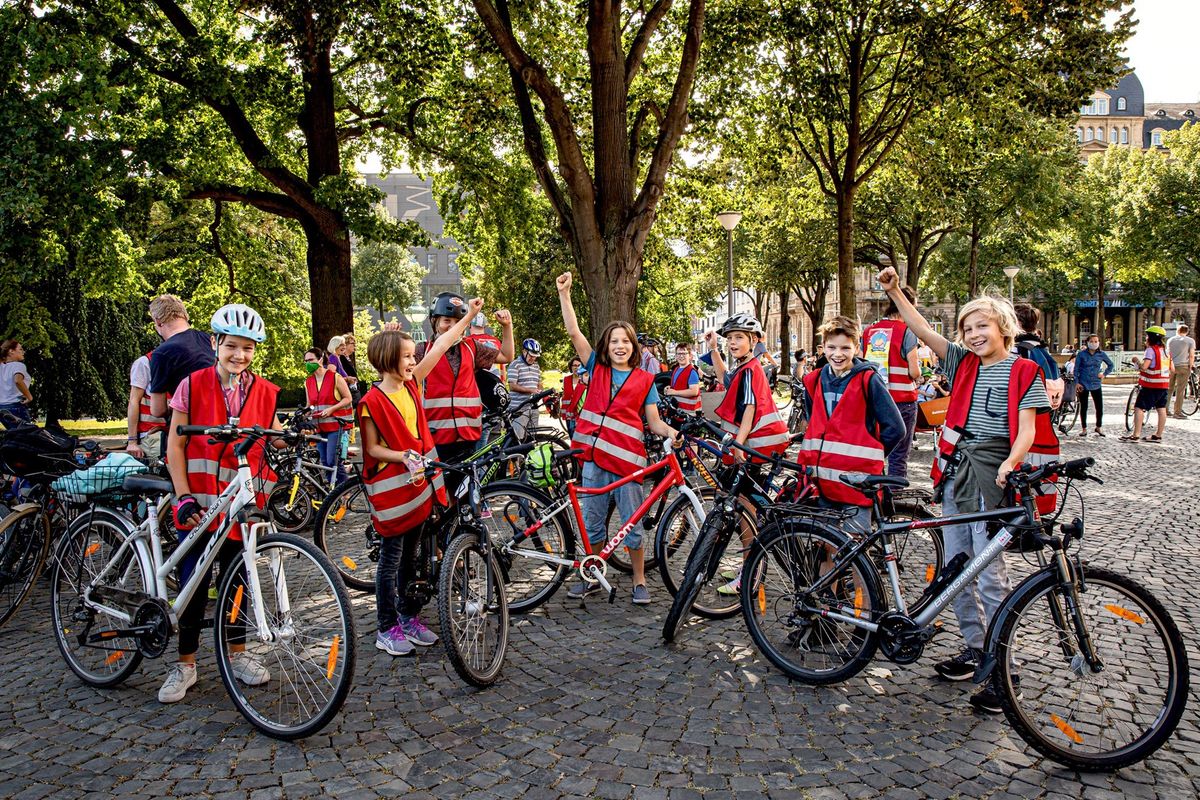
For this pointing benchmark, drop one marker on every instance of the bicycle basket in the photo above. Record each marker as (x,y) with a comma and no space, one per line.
(539,466)
(29,450)
(106,476)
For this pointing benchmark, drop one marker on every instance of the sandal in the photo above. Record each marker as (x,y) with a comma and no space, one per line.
(1129,438)
(1153,438)
(1099,432)
(1083,432)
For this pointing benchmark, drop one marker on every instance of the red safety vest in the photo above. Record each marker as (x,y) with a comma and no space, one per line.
(609,428)
(768,433)
(211,466)
(679,380)
(148,423)
(400,500)
(841,443)
(570,397)
(1045,443)
(900,384)
(1159,374)
(325,397)
(453,407)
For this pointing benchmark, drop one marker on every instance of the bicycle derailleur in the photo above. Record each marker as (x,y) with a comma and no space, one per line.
(902,640)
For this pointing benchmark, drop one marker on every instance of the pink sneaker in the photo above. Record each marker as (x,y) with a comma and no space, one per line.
(416,632)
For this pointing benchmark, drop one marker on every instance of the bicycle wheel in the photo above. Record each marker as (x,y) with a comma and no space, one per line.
(717,597)
(1191,395)
(920,554)
(290,514)
(1086,718)
(514,508)
(676,536)
(24,543)
(81,555)
(309,658)
(345,534)
(472,611)
(619,559)
(1065,415)
(797,419)
(791,625)
(1129,404)
(702,568)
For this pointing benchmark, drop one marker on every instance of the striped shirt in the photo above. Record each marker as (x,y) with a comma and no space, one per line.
(988,416)
(522,373)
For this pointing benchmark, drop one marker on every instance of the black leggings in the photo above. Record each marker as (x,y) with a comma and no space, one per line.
(1097,395)
(191,621)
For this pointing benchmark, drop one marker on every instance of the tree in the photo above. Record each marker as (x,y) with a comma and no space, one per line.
(385,276)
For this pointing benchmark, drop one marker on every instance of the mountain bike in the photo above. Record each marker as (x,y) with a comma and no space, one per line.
(281,599)
(1090,668)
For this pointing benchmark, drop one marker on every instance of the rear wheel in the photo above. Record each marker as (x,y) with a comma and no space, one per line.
(345,534)
(1191,395)
(1066,414)
(514,508)
(1129,406)
(24,543)
(620,557)
(290,513)
(920,554)
(678,531)
(472,611)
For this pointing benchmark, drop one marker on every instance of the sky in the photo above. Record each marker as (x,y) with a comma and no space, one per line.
(1161,48)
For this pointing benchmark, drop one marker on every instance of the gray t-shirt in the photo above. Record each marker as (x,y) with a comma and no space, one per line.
(9,393)
(988,416)
(1179,347)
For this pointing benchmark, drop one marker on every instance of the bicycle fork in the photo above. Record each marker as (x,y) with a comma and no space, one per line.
(285,630)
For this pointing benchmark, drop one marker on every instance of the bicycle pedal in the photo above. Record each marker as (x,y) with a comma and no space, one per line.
(612,595)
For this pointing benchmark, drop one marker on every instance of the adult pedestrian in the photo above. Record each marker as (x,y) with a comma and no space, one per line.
(183,351)
(1091,365)
(1182,350)
(145,429)
(15,397)
(524,381)
(891,347)
(350,366)
(328,394)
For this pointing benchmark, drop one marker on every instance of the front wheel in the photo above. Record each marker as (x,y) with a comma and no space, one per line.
(24,542)
(510,510)
(1066,414)
(1129,406)
(702,568)
(1191,396)
(1090,715)
(344,532)
(290,512)
(293,676)
(472,611)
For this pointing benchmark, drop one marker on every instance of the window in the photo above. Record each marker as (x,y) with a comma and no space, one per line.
(452,263)
(1089,135)
(1120,104)
(431,261)
(1124,135)
(1100,134)
(1079,134)
(1156,138)
(1112,135)
(1096,107)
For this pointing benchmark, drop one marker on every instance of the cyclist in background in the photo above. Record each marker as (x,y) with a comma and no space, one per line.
(685,380)
(524,381)
(572,393)
(1029,344)
(891,348)
(145,429)
(1154,378)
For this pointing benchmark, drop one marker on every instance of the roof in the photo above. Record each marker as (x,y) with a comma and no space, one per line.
(1130,88)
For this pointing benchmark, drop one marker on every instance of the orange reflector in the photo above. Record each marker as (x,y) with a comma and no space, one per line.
(114,657)
(337,515)
(91,549)
(108,634)
(929,573)
(349,562)
(237,606)
(510,517)
(858,599)
(1125,613)
(546,546)
(333,654)
(1067,730)
(762,598)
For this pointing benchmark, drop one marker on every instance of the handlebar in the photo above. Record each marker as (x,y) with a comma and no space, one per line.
(465,467)
(232,433)
(728,443)
(1077,469)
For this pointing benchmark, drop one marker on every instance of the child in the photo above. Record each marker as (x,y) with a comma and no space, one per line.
(1154,377)
(610,430)
(394,428)
(892,348)
(328,394)
(1029,344)
(853,421)
(685,381)
(572,391)
(998,417)
(199,468)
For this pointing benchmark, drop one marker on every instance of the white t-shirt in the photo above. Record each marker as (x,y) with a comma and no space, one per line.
(9,393)
(139,374)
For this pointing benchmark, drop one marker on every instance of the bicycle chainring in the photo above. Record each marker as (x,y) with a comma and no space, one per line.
(155,616)
(901,641)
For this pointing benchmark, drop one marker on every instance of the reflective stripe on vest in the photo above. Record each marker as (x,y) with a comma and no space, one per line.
(1158,376)
(609,427)
(453,408)
(768,432)
(840,443)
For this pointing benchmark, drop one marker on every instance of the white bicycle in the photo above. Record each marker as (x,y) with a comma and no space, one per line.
(284,601)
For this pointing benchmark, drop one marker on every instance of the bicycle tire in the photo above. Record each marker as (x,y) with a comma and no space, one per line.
(710,602)
(316,654)
(696,574)
(797,419)
(676,536)
(785,561)
(514,507)
(81,554)
(1191,395)
(619,559)
(1064,416)
(465,607)
(24,545)
(345,534)
(1129,404)
(1122,610)
(920,555)
(296,518)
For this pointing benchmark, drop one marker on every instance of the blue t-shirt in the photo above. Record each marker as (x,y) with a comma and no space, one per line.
(693,376)
(178,357)
(618,380)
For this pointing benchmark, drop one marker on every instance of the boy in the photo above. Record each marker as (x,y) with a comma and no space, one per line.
(685,381)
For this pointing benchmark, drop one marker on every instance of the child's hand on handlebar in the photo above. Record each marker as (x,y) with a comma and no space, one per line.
(1002,475)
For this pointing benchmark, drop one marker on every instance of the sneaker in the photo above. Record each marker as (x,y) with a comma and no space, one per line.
(416,632)
(733,587)
(394,642)
(248,669)
(641,595)
(961,667)
(180,678)
(986,700)
(583,589)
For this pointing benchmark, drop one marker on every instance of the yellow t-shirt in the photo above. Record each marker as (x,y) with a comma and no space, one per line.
(403,402)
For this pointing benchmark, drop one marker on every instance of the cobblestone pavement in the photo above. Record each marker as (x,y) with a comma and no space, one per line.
(592,704)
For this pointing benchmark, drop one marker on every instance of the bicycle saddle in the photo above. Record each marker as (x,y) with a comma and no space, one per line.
(147,485)
(869,484)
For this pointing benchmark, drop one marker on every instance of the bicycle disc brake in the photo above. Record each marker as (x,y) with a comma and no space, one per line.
(901,641)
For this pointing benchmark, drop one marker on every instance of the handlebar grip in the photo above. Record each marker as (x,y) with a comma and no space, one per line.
(192,430)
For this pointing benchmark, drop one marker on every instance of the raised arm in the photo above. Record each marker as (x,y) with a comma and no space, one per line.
(912,318)
(710,339)
(583,348)
(438,347)
(507,349)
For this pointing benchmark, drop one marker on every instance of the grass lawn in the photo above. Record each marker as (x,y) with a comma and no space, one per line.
(92,427)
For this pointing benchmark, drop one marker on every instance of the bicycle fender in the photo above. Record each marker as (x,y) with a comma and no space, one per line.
(988,663)
(23,507)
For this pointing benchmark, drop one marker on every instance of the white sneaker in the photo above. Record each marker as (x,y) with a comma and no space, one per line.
(179,679)
(248,669)
(733,587)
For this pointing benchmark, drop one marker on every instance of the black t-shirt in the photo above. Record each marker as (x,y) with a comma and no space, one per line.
(178,357)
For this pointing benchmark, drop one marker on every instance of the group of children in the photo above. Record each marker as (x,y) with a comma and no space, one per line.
(995,422)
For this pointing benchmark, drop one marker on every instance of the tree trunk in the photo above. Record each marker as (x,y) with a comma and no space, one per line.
(785,334)
(1099,328)
(328,260)
(847,298)
(973,261)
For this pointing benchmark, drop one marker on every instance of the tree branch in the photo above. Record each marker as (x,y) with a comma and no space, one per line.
(635,135)
(271,202)
(637,49)
(214,230)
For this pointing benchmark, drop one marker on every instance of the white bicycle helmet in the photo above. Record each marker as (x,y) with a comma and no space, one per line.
(480,321)
(741,322)
(237,319)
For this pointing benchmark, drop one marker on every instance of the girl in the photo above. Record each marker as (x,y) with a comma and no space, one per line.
(998,417)
(14,381)
(200,471)
(610,429)
(394,429)
(1154,377)
(1091,365)
(328,394)
(571,391)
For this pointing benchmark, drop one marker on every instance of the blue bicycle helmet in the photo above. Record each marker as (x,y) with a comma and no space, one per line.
(236,319)
(531,346)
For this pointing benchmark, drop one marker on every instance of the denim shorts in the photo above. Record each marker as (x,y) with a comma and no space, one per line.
(595,507)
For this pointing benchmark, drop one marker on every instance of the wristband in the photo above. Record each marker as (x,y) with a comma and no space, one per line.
(184,509)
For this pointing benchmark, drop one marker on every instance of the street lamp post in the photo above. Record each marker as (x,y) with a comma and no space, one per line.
(729,221)
(1011,272)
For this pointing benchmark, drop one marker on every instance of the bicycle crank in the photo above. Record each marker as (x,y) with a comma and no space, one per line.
(901,641)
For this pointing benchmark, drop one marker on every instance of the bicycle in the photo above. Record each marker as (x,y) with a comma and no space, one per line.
(303,481)
(815,610)
(1191,395)
(798,417)
(1063,418)
(111,607)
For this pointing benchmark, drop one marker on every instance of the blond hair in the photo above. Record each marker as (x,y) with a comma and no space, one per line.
(995,308)
(167,307)
(840,326)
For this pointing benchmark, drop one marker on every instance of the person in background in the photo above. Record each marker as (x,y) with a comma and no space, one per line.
(183,351)
(650,361)
(799,364)
(350,365)
(891,347)
(328,395)
(524,381)
(1182,350)
(1154,378)
(1029,345)
(145,429)
(332,350)
(685,380)
(1091,365)
(15,397)
(572,392)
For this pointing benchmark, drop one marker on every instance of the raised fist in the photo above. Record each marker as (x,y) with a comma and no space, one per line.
(563,282)
(504,317)
(475,305)
(888,278)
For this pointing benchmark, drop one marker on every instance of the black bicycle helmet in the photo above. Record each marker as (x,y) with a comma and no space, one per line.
(448,304)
